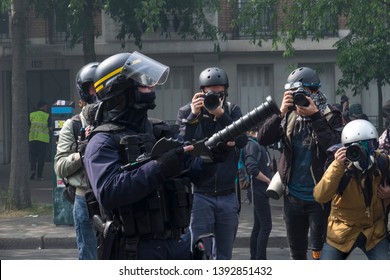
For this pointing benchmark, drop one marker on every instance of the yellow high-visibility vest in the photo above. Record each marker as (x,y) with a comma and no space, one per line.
(39,130)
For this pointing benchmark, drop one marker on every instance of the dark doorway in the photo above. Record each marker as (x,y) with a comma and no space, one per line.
(45,85)
(48,86)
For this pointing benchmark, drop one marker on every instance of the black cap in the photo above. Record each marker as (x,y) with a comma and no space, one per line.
(344,98)
(355,110)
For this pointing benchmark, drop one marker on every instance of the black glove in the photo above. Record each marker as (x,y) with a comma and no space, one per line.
(220,152)
(81,146)
(171,162)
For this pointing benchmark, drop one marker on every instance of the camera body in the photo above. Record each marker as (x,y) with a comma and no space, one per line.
(299,96)
(355,152)
(211,100)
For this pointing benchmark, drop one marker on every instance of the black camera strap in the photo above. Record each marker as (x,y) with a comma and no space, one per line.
(382,163)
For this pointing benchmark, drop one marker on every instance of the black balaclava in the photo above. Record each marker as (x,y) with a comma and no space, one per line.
(132,111)
(144,100)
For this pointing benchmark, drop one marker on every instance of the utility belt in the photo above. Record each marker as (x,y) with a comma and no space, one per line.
(168,234)
(217,193)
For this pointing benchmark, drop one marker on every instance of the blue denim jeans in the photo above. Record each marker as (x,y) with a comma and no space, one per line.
(379,252)
(86,237)
(169,249)
(218,215)
(300,216)
(262,224)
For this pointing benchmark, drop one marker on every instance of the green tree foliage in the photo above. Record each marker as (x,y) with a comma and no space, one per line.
(77,16)
(187,17)
(135,18)
(362,55)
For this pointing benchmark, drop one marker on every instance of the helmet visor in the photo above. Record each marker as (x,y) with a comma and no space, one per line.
(145,70)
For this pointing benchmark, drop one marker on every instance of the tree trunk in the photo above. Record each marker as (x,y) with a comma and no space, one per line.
(380,104)
(88,32)
(18,183)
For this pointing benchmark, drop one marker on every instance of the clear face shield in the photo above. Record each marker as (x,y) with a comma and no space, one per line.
(145,70)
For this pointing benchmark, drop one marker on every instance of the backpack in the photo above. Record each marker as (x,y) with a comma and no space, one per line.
(69,192)
(243,177)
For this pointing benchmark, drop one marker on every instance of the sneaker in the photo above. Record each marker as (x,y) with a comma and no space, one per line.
(316,255)
(32,177)
(40,179)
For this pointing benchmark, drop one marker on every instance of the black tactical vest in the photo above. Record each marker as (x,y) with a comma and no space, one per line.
(164,213)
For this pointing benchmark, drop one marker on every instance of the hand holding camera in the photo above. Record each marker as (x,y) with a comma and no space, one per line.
(296,97)
(197,103)
(340,155)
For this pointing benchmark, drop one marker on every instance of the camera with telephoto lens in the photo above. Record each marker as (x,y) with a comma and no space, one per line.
(299,96)
(211,100)
(355,152)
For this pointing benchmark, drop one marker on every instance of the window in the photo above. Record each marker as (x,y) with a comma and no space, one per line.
(256,19)
(58,27)
(176,92)
(4,26)
(327,25)
(255,83)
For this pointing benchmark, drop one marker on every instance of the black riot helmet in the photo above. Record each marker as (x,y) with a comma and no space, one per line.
(307,76)
(120,72)
(84,78)
(115,80)
(213,76)
(109,80)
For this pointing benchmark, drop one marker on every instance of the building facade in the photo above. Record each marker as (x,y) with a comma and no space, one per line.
(254,72)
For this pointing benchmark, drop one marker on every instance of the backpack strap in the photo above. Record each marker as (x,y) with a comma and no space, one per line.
(344,181)
(76,126)
(383,166)
(328,113)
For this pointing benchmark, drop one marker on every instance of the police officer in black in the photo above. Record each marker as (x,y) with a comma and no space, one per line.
(147,204)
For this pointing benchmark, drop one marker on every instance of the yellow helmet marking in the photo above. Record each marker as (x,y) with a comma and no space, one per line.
(99,84)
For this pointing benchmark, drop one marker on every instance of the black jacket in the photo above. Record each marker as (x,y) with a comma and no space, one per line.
(257,159)
(326,131)
(205,125)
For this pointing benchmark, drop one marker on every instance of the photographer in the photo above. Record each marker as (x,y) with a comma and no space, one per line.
(68,162)
(357,217)
(307,126)
(215,205)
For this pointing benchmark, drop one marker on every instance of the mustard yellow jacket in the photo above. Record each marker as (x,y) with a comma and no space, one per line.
(349,215)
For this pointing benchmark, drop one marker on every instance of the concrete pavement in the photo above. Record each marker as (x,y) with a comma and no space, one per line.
(39,232)
(32,232)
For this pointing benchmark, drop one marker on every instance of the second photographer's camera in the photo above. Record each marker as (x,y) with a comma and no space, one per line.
(299,94)
(355,152)
(211,100)
(299,97)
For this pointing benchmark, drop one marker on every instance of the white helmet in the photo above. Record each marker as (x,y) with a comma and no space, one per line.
(358,130)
